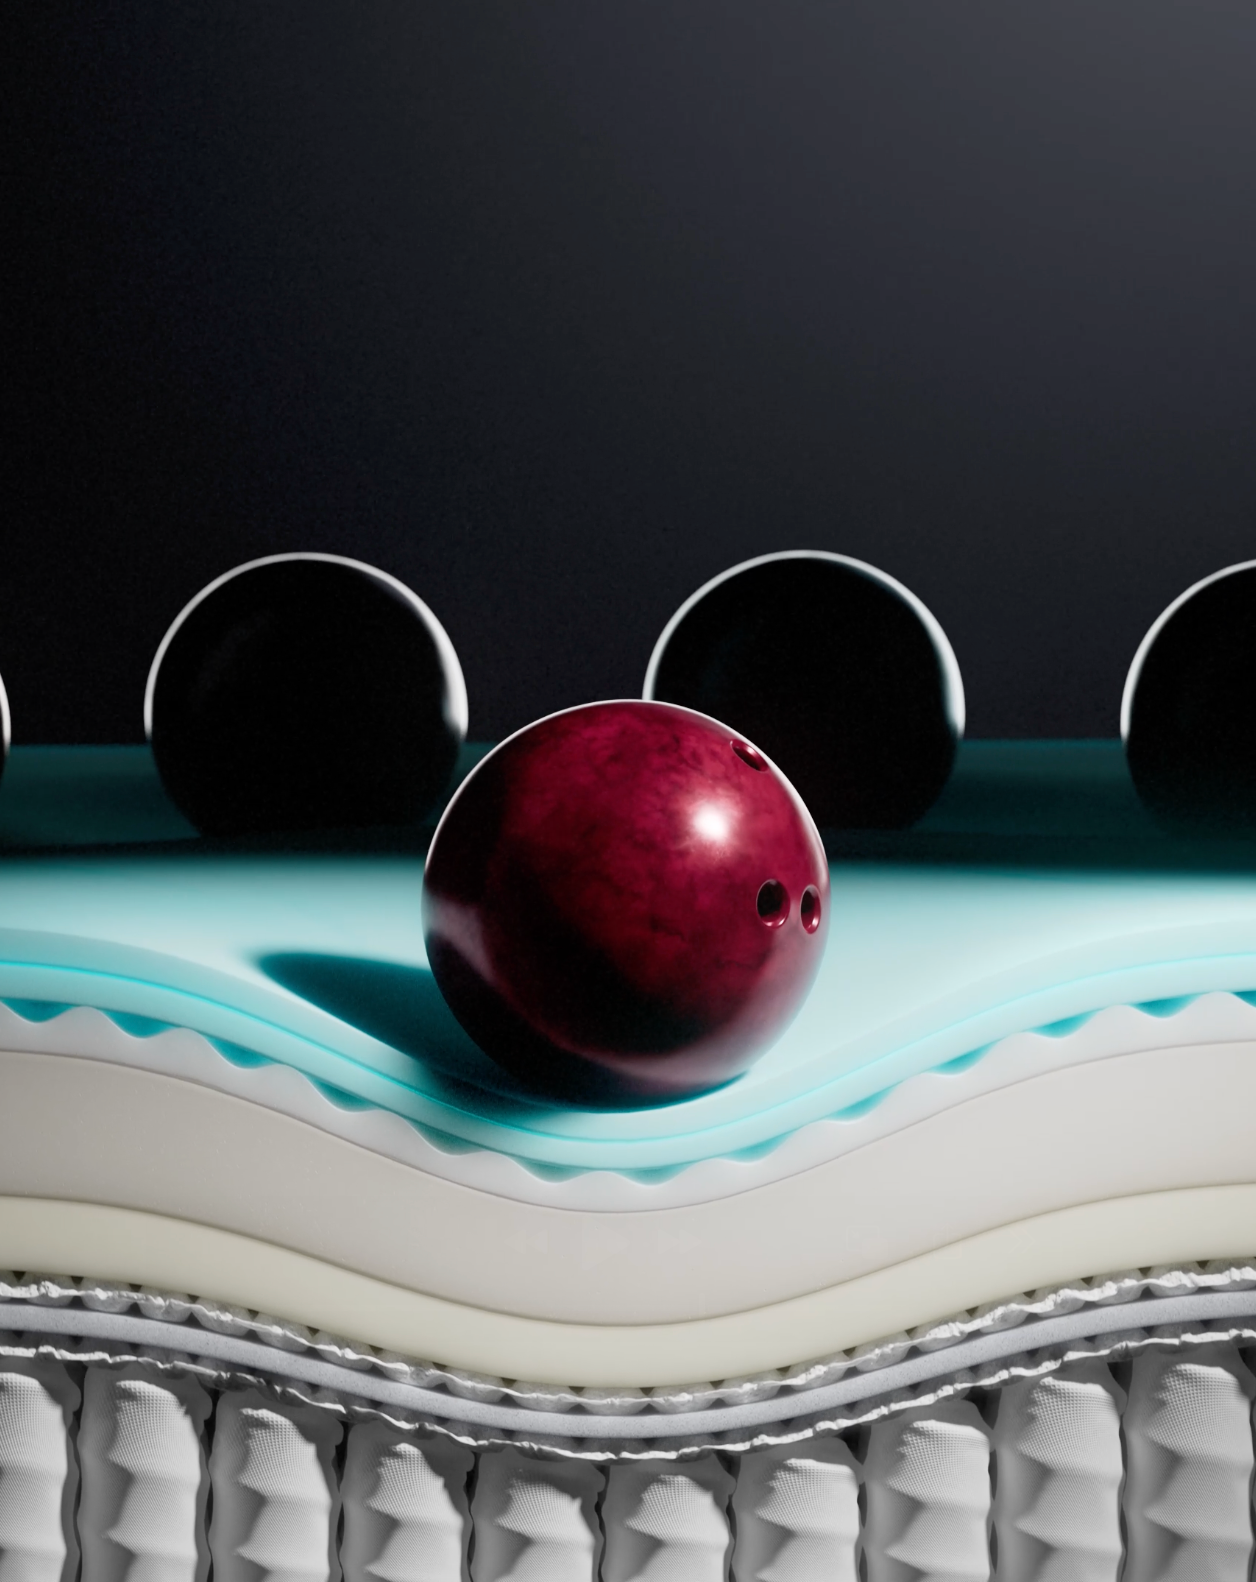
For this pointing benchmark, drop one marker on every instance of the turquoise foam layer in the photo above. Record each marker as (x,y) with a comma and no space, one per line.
(317,962)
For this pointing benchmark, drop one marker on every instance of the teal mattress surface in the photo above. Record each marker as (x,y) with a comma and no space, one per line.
(1035,894)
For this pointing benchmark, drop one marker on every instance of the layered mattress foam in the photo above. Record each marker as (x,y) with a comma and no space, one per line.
(232,1074)
(318,964)
(1140,1159)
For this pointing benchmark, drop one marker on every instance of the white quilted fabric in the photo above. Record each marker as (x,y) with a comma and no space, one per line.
(406,1517)
(276,1499)
(928,1483)
(796,1512)
(144,1478)
(38,1473)
(1057,1511)
(1188,1435)
(667,1522)
(536,1521)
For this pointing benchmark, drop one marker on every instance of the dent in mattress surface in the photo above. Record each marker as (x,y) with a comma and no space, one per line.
(1035,892)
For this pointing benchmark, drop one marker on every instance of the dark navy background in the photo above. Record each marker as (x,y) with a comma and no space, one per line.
(554,308)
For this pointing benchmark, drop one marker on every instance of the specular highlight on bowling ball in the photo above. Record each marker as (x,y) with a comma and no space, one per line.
(625,903)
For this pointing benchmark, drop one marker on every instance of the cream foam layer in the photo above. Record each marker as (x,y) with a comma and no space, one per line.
(181,1053)
(137,1248)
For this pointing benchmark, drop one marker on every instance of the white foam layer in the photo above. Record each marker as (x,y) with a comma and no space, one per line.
(536,1521)
(276,1499)
(1188,1504)
(1057,1511)
(406,1517)
(89,1034)
(928,1483)
(145,1482)
(797,1515)
(38,1473)
(667,1522)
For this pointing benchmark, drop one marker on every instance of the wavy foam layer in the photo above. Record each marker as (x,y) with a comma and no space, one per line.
(318,963)
(179,1052)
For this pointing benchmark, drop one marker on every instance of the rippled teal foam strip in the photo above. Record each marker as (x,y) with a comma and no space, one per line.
(557,1157)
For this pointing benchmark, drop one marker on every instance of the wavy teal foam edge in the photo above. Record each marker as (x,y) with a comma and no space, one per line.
(137,1026)
(329,1058)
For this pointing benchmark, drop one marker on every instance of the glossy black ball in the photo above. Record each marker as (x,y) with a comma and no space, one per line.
(837,672)
(305,692)
(1189,712)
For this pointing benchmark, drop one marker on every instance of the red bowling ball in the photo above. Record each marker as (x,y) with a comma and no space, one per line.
(625,903)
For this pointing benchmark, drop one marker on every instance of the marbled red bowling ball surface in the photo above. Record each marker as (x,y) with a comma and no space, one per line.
(625,902)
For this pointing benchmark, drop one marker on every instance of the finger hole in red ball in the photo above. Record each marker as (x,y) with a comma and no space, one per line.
(809,910)
(772,903)
(750,755)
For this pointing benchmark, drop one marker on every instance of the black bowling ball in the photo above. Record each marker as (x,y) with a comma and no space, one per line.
(1188,715)
(305,692)
(839,673)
